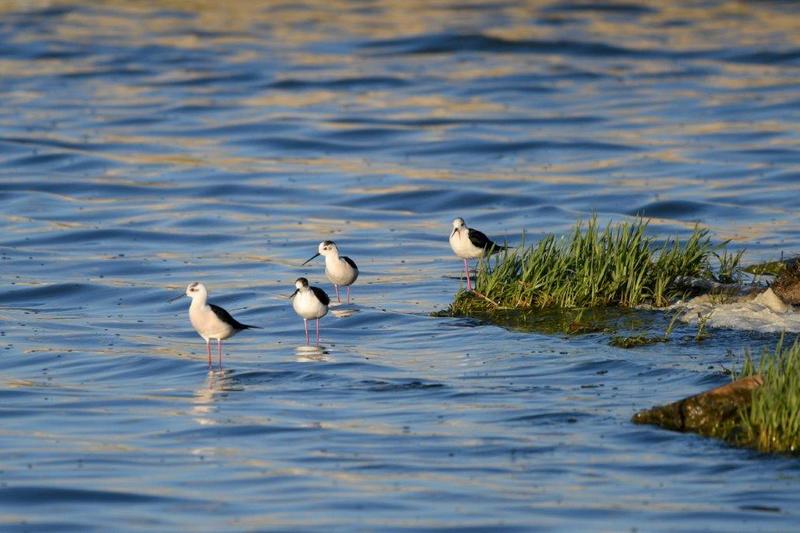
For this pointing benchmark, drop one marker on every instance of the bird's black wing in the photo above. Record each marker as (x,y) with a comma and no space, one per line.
(321,296)
(228,319)
(478,239)
(349,262)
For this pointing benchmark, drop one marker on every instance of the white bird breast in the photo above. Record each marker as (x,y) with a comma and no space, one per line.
(307,306)
(463,247)
(208,325)
(339,272)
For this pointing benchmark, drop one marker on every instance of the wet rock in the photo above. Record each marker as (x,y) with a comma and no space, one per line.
(714,413)
(787,284)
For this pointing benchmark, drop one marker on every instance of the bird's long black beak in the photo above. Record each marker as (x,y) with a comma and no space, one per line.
(310,258)
(176,298)
(453,232)
(298,290)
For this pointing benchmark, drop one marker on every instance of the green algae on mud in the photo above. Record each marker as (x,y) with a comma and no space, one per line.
(714,413)
(608,322)
(760,409)
(547,321)
(634,341)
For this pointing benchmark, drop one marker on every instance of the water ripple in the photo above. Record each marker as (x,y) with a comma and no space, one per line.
(146,146)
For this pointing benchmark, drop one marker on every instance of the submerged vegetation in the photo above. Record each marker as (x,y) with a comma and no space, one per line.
(771,422)
(635,341)
(593,267)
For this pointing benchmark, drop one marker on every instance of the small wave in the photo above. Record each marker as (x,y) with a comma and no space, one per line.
(685,210)
(550,418)
(433,200)
(298,144)
(33,495)
(239,78)
(227,431)
(75,148)
(263,376)
(401,386)
(78,188)
(105,73)
(670,209)
(426,122)
(192,109)
(445,43)
(125,235)
(40,160)
(59,291)
(767,57)
(600,7)
(371,82)
(370,135)
(500,148)
(784,176)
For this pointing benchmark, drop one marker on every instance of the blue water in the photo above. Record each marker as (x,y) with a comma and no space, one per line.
(146,146)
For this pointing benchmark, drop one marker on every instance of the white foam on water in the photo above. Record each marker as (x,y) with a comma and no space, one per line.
(763,312)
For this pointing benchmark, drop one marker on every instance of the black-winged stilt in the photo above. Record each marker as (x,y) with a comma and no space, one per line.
(341,270)
(469,243)
(209,320)
(310,303)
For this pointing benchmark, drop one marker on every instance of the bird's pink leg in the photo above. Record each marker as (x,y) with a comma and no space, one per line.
(318,331)
(219,347)
(338,299)
(466,272)
(348,294)
(208,349)
(305,322)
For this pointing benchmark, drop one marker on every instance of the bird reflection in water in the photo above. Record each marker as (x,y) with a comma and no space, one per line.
(219,383)
(342,310)
(308,354)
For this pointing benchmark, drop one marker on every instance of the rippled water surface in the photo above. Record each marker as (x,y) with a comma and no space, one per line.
(147,145)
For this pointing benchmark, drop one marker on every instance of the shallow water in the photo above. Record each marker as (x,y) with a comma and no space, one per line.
(143,147)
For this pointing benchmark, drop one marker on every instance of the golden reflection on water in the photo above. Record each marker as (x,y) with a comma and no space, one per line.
(238,21)
(251,33)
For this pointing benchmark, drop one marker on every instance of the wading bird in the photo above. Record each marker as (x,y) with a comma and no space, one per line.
(209,320)
(341,270)
(310,303)
(469,243)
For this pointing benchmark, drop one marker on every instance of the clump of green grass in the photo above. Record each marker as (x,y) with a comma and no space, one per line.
(771,422)
(593,267)
(730,269)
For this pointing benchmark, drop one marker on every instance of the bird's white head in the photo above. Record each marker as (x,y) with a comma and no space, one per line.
(300,284)
(196,290)
(327,248)
(458,224)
